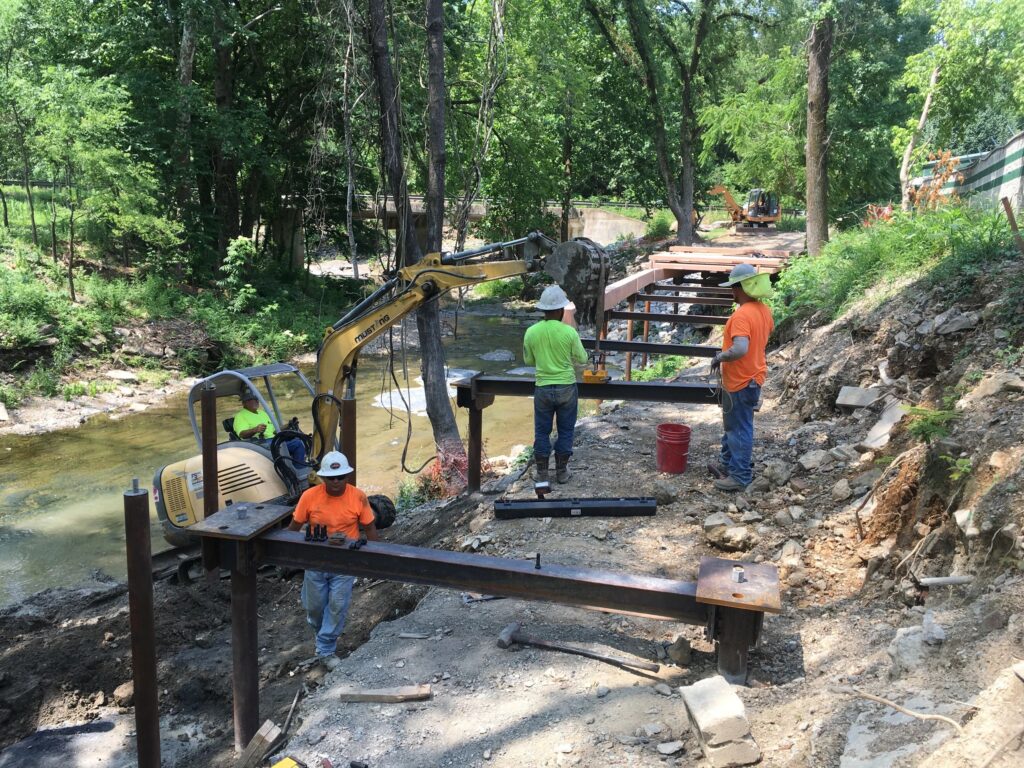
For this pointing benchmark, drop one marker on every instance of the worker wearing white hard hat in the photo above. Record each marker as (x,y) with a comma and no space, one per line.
(743,367)
(552,347)
(335,506)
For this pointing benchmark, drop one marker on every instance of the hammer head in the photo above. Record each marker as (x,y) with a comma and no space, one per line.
(542,489)
(508,634)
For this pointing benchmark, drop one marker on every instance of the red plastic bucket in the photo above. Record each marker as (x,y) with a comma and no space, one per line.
(673,448)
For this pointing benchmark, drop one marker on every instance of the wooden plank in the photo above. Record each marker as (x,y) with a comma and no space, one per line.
(718,258)
(241,522)
(257,748)
(741,250)
(758,591)
(686,268)
(387,695)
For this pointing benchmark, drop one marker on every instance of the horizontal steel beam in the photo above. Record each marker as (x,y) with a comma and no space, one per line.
(652,348)
(711,301)
(691,285)
(514,509)
(655,392)
(656,317)
(648,596)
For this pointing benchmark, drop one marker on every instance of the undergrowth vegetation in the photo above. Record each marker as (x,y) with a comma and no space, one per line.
(257,312)
(661,368)
(952,246)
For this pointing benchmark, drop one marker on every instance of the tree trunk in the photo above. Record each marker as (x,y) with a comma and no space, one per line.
(71,236)
(346,118)
(908,153)
(567,147)
(428,320)
(819,55)
(28,194)
(226,198)
(3,199)
(53,222)
(251,203)
(186,63)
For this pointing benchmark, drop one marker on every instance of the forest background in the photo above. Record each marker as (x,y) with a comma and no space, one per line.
(159,158)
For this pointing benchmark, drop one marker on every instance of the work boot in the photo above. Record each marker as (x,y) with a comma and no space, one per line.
(729,484)
(542,468)
(562,467)
(717,471)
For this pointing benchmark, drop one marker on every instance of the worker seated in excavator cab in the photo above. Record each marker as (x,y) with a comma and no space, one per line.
(254,424)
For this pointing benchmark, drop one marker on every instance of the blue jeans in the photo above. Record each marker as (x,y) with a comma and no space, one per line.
(296,448)
(326,596)
(738,440)
(554,403)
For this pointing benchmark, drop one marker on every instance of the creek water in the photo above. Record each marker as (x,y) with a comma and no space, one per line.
(61,507)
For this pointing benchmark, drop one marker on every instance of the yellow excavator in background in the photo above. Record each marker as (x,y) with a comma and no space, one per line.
(254,472)
(760,209)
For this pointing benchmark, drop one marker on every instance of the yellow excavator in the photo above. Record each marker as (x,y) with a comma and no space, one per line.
(760,209)
(257,472)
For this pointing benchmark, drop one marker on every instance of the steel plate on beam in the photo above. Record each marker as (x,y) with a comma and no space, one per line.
(758,589)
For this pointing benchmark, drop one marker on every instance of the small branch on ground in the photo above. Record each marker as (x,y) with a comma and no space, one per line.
(919,715)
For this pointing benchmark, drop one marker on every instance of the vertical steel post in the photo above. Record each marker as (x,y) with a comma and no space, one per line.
(476,442)
(348,432)
(141,622)
(647,330)
(737,632)
(211,480)
(244,646)
(629,337)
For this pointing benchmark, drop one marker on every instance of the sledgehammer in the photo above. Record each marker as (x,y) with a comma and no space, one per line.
(511,634)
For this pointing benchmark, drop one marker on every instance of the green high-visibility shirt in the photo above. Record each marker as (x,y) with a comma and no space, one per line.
(246,419)
(552,347)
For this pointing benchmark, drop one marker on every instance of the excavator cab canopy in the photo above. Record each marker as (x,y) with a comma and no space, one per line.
(761,203)
(257,379)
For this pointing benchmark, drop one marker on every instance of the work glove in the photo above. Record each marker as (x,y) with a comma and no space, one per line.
(293,424)
(716,362)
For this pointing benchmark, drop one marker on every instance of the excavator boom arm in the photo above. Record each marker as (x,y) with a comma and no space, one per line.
(412,287)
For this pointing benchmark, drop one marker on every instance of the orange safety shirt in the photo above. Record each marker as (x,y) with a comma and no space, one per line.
(341,514)
(753,320)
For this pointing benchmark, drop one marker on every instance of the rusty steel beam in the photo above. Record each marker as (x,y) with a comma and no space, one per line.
(711,301)
(468,390)
(692,350)
(656,317)
(647,596)
(690,286)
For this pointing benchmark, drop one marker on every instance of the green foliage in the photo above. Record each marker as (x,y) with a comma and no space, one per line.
(237,268)
(501,290)
(950,247)
(930,424)
(959,467)
(1010,357)
(525,457)
(409,496)
(662,368)
(791,224)
(660,226)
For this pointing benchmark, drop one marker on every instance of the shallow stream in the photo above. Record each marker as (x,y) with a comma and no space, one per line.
(61,508)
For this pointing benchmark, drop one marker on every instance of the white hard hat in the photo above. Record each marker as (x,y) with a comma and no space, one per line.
(334,464)
(739,273)
(553,298)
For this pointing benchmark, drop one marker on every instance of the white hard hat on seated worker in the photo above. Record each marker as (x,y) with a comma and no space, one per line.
(334,464)
(553,298)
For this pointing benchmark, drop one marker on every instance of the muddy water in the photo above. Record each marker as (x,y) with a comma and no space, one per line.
(61,509)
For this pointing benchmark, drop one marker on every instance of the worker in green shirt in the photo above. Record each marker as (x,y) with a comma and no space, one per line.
(552,347)
(254,423)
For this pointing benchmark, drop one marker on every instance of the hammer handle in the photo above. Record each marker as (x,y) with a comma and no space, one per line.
(617,660)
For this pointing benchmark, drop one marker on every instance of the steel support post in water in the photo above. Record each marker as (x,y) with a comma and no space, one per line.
(141,621)
(475,448)
(245,645)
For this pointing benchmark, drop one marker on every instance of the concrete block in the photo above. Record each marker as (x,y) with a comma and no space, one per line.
(734,753)
(715,710)
(856,397)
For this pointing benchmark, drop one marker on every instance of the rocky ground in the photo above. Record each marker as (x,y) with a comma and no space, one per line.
(853,515)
